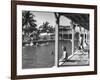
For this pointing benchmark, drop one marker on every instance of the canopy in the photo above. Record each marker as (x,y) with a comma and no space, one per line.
(78,18)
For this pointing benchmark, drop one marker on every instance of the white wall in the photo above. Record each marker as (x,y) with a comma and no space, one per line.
(5,47)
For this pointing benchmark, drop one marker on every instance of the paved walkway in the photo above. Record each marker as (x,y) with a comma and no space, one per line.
(78,59)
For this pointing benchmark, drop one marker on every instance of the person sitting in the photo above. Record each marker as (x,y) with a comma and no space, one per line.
(65,55)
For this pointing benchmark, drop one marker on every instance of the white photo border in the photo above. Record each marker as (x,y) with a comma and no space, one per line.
(69,69)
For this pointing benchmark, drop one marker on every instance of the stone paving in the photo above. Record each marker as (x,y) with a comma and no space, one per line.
(79,58)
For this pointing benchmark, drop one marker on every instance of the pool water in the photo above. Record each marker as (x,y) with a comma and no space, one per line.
(43,56)
(38,57)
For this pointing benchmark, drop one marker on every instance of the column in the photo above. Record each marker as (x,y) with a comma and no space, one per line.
(72,25)
(57,16)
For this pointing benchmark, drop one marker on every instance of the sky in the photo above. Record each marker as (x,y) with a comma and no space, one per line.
(41,17)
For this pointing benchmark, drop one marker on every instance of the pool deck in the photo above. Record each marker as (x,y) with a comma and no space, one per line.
(78,59)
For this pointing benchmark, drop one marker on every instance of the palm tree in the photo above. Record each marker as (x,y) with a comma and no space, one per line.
(51,29)
(28,23)
(46,28)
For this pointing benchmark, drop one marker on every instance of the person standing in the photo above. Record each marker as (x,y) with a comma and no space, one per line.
(81,42)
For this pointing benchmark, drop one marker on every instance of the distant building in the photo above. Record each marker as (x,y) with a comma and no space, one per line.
(47,36)
(65,32)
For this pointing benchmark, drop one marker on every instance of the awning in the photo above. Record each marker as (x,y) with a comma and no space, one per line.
(81,19)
